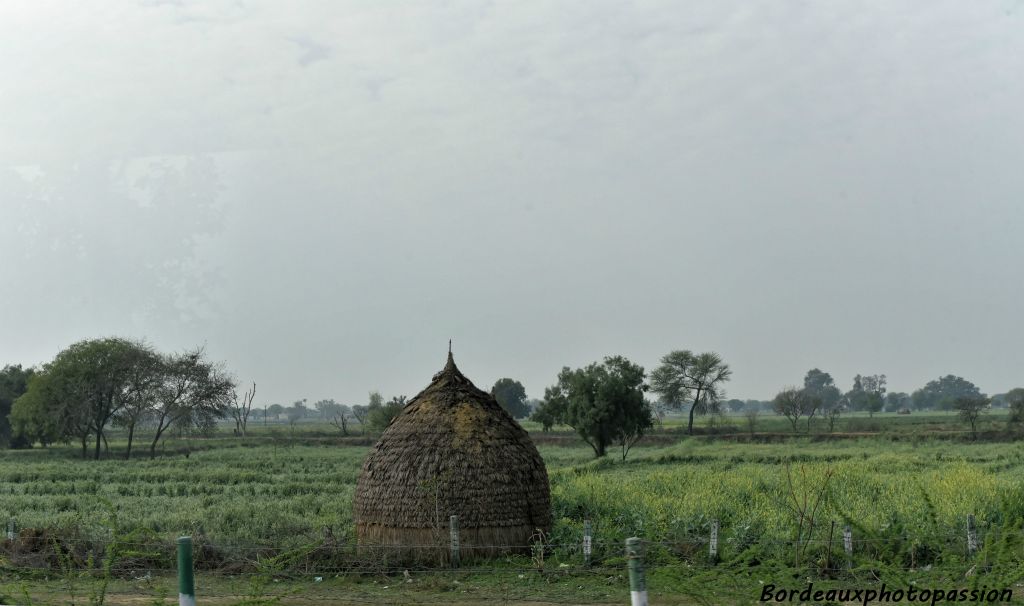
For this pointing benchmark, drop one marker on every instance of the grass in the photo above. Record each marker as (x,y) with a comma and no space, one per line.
(906,491)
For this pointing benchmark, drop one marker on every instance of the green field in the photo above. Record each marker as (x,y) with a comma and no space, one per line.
(906,496)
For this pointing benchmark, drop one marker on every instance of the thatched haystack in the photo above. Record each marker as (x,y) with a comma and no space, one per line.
(452,450)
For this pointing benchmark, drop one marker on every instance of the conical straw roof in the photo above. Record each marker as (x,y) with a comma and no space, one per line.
(453,450)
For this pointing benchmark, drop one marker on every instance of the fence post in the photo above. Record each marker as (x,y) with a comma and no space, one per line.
(12,529)
(637,582)
(186,581)
(586,542)
(828,551)
(713,543)
(848,545)
(453,527)
(972,535)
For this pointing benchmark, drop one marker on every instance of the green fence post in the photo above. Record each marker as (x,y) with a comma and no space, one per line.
(637,582)
(186,581)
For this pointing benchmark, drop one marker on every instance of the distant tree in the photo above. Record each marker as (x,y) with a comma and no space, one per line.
(896,401)
(379,415)
(275,410)
(751,414)
(549,413)
(85,387)
(604,403)
(820,383)
(1015,402)
(325,408)
(140,394)
(970,409)
(192,395)
(375,399)
(360,413)
(340,417)
(942,393)
(512,396)
(240,409)
(13,383)
(297,411)
(874,388)
(35,418)
(856,398)
(685,377)
(794,403)
(735,405)
(832,415)
(336,414)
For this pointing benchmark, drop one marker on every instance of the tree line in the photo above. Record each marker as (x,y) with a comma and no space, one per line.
(114,382)
(100,383)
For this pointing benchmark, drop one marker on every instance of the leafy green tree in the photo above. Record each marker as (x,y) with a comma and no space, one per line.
(34,418)
(512,396)
(685,377)
(970,409)
(140,397)
(794,403)
(604,404)
(896,401)
(85,387)
(1015,401)
(735,405)
(379,414)
(820,383)
(942,393)
(192,395)
(13,383)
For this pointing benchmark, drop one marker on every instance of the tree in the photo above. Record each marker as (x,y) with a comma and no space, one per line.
(13,383)
(275,410)
(874,389)
(941,394)
(241,407)
(970,409)
(820,383)
(1015,401)
(832,415)
(336,414)
(360,413)
(84,388)
(751,415)
(896,401)
(379,415)
(192,394)
(604,404)
(794,403)
(139,397)
(698,379)
(339,417)
(35,418)
(512,396)
(296,411)
(735,405)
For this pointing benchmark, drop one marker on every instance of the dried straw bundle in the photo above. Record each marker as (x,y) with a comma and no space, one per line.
(452,450)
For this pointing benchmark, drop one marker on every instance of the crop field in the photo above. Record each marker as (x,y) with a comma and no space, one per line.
(906,502)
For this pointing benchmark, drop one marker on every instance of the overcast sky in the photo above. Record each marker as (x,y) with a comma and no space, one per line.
(323,193)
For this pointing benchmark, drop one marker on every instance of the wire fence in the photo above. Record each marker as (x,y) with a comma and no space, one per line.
(591,570)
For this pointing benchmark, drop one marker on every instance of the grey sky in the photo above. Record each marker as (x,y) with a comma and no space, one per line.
(325,192)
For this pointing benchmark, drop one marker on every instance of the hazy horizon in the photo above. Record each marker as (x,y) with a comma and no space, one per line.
(324,193)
